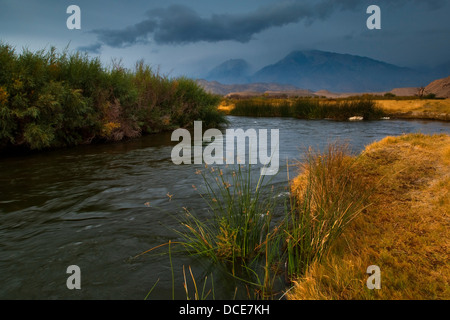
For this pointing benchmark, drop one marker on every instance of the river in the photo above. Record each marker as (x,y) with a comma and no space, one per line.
(98,206)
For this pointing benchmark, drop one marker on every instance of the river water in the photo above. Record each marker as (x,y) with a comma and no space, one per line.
(98,206)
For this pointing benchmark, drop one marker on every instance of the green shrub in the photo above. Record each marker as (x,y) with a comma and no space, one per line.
(51,100)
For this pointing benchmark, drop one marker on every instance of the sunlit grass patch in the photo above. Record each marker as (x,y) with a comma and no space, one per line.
(327,196)
(419,105)
(404,232)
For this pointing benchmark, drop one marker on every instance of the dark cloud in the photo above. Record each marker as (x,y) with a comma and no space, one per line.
(94,48)
(179,24)
(137,33)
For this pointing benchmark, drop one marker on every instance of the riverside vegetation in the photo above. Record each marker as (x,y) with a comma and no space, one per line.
(265,244)
(50,99)
(308,108)
(387,206)
(369,107)
(404,231)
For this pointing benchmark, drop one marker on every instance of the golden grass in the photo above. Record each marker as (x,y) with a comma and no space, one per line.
(225,106)
(405,231)
(417,105)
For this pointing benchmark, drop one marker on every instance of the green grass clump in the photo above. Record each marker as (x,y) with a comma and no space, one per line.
(50,99)
(248,233)
(239,234)
(242,211)
(261,108)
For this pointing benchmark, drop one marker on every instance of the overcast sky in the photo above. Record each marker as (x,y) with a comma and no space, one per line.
(189,37)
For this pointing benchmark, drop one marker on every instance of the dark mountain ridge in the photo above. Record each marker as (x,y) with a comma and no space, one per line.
(320,70)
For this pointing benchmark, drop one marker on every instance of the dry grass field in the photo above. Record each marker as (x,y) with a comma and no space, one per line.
(405,230)
(418,105)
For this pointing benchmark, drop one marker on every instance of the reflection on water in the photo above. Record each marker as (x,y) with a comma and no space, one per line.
(97,206)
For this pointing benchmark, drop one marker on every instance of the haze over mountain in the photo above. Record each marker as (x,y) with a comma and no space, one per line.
(320,70)
(233,71)
(224,89)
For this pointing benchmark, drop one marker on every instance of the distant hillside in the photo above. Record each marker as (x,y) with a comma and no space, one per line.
(405,91)
(401,92)
(440,87)
(231,71)
(319,70)
(224,89)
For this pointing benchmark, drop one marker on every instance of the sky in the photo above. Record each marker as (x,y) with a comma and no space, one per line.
(190,37)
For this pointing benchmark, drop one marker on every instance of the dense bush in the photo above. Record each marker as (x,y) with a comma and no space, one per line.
(49,99)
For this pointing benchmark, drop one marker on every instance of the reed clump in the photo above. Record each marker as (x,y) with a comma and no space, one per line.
(241,213)
(264,243)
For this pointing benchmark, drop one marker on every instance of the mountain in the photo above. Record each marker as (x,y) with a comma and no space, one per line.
(320,70)
(440,87)
(231,71)
(316,70)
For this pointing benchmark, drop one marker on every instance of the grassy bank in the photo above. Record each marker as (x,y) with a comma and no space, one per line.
(404,231)
(433,109)
(340,109)
(50,99)
(387,207)
(307,108)
(265,244)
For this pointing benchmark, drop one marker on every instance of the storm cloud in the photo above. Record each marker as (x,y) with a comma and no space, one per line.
(179,24)
(131,35)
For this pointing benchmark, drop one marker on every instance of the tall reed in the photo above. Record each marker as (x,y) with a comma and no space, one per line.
(241,213)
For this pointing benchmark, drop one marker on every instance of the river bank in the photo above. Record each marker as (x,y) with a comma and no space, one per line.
(404,232)
(51,100)
(400,108)
(96,206)
(423,109)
